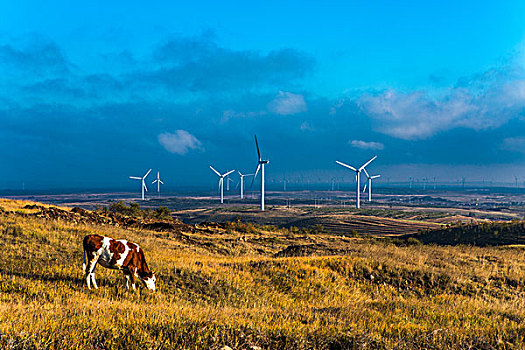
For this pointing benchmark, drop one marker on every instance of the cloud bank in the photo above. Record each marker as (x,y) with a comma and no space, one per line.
(200,65)
(481,102)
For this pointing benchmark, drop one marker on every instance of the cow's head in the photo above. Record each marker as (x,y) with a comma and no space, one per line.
(149,280)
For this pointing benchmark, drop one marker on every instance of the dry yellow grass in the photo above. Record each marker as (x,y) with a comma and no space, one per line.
(223,287)
(18,205)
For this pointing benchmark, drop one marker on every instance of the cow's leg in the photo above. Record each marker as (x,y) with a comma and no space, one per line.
(84,262)
(87,276)
(89,267)
(90,271)
(94,280)
(126,278)
(133,275)
(88,280)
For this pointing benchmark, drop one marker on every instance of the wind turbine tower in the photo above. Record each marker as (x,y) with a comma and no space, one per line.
(242,182)
(357,178)
(370,178)
(143,179)
(158,181)
(221,181)
(260,165)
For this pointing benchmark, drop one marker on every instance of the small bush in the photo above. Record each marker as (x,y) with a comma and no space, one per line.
(163,213)
(134,210)
(13,230)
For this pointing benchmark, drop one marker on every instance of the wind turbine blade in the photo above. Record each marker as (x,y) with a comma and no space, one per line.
(255,175)
(240,173)
(161,182)
(229,172)
(149,171)
(154,181)
(346,165)
(145,187)
(370,161)
(215,171)
(220,182)
(366,173)
(375,176)
(364,189)
(135,177)
(257,144)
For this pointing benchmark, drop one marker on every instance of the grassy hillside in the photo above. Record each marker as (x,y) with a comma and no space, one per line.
(249,286)
(480,234)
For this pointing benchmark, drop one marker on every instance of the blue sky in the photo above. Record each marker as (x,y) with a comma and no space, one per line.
(93,92)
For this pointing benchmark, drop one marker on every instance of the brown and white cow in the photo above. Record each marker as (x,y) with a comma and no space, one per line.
(118,255)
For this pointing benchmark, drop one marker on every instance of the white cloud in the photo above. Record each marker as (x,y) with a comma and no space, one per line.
(232,114)
(515,144)
(367,145)
(287,103)
(336,106)
(305,126)
(180,142)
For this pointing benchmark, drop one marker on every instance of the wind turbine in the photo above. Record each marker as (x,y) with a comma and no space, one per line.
(228,180)
(370,178)
(158,181)
(260,165)
(221,181)
(242,182)
(143,182)
(357,172)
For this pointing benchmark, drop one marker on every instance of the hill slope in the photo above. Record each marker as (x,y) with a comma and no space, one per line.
(220,285)
(479,234)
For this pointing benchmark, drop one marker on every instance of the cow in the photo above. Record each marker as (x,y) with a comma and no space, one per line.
(118,255)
